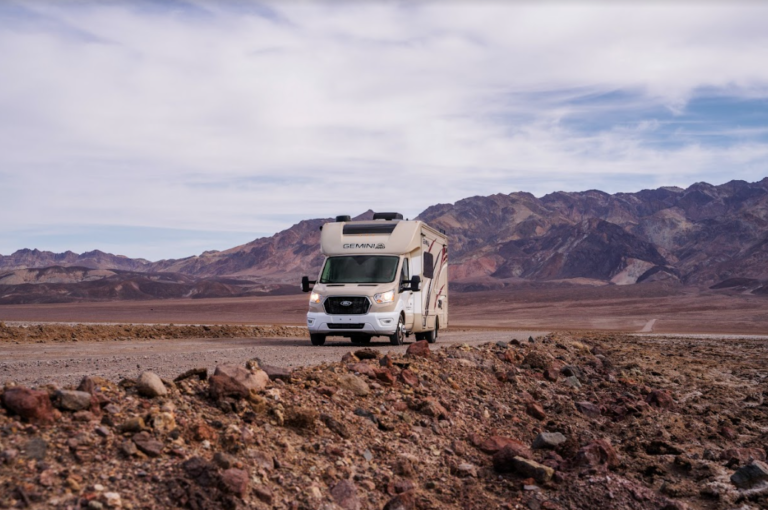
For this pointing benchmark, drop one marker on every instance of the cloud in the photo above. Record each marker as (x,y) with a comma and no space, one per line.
(243,117)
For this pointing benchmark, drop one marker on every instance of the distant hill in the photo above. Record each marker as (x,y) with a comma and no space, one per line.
(702,235)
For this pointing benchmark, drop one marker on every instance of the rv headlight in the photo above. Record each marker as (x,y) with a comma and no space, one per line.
(314,298)
(384,297)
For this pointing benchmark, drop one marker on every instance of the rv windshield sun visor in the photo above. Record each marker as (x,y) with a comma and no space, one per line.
(378,228)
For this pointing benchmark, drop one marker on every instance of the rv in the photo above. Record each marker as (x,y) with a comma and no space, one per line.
(383,277)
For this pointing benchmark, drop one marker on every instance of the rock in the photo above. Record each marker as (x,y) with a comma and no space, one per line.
(367,353)
(597,453)
(201,431)
(750,475)
(741,456)
(32,405)
(386,362)
(660,399)
(344,494)
(201,373)
(431,407)
(495,444)
(409,378)
(362,369)
(354,384)
(71,400)
(255,380)
(150,385)
(658,447)
(162,423)
(201,471)
(349,358)
(112,500)
(549,440)
(277,373)
(404,501)
(36,448)
(588,409)
(235,481)
(535,410)
(263,493)
(224,460)
(135,424)
(300,418)
(551,374)
(572,381)
(465,469)
(128,448)
(335,426)
(572,371)
(525,467)
(221,386)
(504,458)
(147,445)
(538,359)
(420,348)
(385,376)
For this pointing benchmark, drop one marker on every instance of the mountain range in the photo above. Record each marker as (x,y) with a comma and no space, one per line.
(704,235)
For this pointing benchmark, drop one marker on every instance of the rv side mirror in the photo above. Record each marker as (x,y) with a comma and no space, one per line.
(306,282)
(416,283)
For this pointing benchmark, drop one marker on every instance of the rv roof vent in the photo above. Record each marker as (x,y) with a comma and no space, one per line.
(344,217)
(387,216)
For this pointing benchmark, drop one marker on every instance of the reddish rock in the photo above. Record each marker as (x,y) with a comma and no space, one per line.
(537,359)
(728,433)
(344,494)
(597,453)
(661,399)
(301,418)
(33,405)
(588,409)
(495,444)
(201,373)
(409,378)
(201,431)
(243,378)
(741,456)
(349,358)
(235,481)
(326,390)
(264,493)
(535,410)
(220,386)
(400,486)
(362,369)
(420,348)
(384,376)
(431,407)
(275,373)
(551,374)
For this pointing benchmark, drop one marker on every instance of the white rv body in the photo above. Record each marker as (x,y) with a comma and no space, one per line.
(368,260)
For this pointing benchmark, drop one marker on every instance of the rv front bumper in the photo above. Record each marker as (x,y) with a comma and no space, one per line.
(382,323)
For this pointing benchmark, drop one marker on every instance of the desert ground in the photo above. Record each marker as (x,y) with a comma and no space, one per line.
(651,400)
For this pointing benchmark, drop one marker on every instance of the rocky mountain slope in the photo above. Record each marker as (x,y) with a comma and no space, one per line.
(701,235)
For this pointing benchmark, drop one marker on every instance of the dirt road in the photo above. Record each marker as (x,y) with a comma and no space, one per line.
(67,363)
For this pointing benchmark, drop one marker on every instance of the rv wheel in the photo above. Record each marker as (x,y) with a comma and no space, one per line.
(399,336)
(317,339)
(432,335)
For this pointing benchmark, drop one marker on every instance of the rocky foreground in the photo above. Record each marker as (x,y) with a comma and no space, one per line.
(556,422)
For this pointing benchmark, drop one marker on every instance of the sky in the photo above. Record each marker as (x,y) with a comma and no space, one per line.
(164,129)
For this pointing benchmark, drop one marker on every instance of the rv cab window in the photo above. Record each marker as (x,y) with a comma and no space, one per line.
(405,273)
(360,269)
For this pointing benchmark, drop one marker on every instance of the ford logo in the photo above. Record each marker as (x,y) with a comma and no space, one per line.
(346,303)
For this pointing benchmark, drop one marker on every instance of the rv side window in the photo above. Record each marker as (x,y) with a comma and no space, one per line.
(429,265)
(405,273)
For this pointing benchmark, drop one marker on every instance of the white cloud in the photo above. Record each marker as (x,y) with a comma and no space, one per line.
(216,118)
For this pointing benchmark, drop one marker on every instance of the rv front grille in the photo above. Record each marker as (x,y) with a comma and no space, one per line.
(340,305)
(346,326)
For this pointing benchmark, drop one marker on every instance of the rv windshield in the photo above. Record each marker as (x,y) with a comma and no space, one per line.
(360,269)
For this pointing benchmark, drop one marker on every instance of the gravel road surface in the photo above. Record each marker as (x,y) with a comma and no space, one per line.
(67,363)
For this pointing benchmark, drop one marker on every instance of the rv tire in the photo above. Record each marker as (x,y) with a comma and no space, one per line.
(317,339)
(399,335)
(431,336)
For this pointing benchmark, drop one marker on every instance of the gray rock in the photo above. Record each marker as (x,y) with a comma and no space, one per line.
(71,400)
(532,469)
(549,440)
(572,381)
(749,475)
(354,384)
(150,385)
(36,448)
(572,370)
(224,460)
